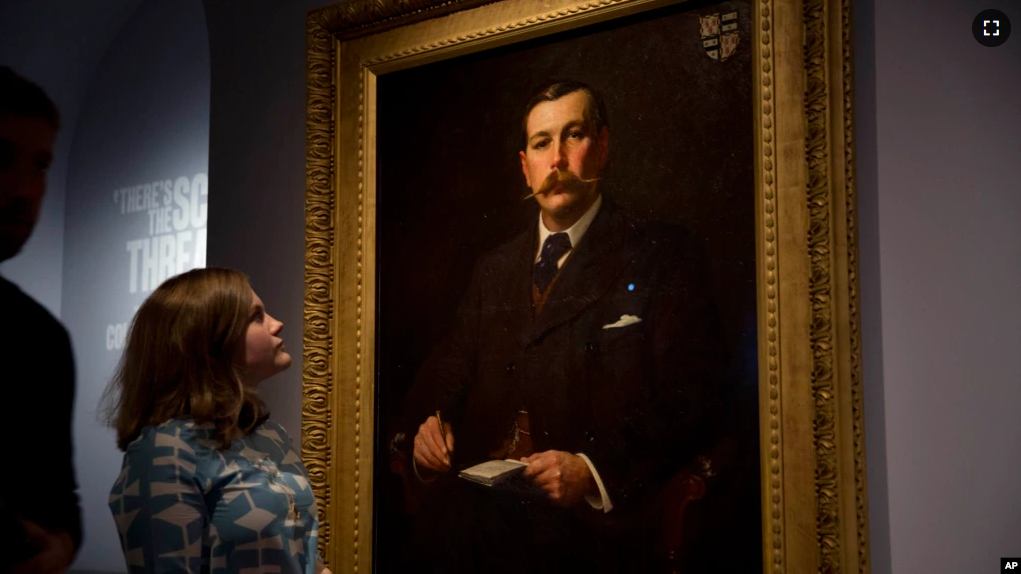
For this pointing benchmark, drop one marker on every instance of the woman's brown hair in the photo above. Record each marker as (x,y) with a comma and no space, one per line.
(182,359)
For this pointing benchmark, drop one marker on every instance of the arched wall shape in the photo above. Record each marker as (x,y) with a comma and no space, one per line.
(135,215)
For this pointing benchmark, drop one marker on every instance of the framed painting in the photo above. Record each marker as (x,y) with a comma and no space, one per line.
(609,245)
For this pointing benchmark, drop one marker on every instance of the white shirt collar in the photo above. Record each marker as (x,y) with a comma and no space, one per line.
(574,232)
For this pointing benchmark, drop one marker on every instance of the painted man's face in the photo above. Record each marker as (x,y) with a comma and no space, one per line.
(563,155)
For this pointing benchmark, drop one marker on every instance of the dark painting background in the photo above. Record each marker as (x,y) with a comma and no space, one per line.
(450,188)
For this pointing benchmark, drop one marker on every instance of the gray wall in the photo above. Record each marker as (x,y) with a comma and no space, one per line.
(939,167)
(135,215)
(257,166)
(58,45)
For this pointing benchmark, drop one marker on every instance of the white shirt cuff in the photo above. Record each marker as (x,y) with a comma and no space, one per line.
(603,501)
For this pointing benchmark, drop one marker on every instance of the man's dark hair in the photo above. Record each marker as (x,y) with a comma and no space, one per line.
(23,98)
(554,91)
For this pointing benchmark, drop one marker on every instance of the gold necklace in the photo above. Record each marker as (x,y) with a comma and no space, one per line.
(272,473)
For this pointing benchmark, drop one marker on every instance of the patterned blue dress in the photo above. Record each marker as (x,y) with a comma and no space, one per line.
(181,505)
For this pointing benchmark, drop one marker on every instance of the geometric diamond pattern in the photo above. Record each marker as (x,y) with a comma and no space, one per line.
(271,434)
(180,514)
(135,557)
(291,458)
(269,543)
(180,504)
(260,570)
(125,519)
(257,519)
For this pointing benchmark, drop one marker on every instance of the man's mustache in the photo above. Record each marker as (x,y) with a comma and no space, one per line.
(565,178)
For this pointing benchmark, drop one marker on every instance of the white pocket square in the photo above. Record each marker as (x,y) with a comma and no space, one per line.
(624,321)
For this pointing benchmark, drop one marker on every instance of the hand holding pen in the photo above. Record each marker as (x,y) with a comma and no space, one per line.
(434,444)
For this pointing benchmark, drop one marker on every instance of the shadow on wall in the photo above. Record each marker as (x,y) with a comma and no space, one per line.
(872,353)
(867,184)
(58,45)
(136,214)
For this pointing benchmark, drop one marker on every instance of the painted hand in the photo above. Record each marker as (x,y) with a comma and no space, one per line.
(432,452)
(563,476)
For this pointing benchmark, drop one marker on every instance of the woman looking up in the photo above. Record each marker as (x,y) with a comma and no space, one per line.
(208,483)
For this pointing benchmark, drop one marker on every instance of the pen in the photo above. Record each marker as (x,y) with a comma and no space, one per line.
(443,433)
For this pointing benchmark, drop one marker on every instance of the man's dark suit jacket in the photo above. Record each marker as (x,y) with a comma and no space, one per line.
(42,380)
(638,400)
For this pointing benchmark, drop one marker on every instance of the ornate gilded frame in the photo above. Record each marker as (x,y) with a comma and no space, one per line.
(811,410)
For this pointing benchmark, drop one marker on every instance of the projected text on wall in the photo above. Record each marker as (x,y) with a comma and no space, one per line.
(175,211)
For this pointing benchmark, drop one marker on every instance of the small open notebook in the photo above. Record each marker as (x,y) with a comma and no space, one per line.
(493,471)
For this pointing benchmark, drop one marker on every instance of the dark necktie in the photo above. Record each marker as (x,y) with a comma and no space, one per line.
(555,246)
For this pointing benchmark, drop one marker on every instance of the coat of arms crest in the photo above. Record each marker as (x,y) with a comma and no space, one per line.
(719,35)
